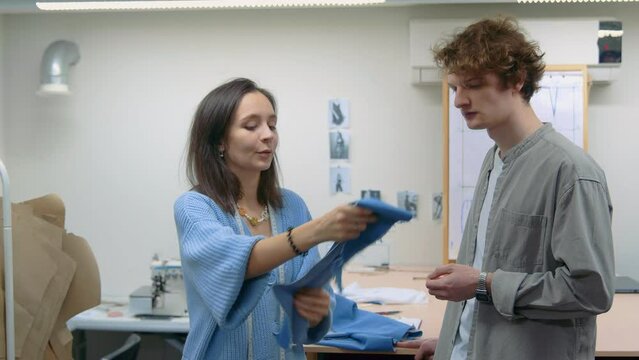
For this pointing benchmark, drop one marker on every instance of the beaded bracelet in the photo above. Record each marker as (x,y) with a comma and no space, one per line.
(289,237)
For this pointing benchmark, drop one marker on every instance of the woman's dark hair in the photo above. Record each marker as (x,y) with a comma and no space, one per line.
(206,170)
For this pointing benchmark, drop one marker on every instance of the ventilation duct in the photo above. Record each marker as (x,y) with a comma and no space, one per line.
(54,69)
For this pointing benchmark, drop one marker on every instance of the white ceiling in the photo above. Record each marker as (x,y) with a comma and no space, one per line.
(26,6)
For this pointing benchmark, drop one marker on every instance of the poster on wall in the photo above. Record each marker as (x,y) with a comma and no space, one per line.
(340,180)
(339,143)
(374,194)
(407,200)
(339,114)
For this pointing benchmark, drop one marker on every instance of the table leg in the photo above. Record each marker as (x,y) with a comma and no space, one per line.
(79,347)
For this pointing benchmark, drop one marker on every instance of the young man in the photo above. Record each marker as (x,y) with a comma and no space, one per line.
(536,261)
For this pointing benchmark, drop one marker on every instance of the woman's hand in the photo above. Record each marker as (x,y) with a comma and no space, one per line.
(312,304)
(343,223)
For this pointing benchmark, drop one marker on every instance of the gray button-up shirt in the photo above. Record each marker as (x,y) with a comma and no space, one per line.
(549,244)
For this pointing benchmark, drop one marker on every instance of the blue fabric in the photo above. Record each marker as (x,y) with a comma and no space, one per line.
(357,329)
(319,276)
(295,327)
(214,258)
(387,216)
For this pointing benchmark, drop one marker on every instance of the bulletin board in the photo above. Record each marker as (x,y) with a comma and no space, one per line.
(561,100)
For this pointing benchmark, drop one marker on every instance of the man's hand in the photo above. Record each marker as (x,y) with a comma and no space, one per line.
(312,304)
(426,347)
(453,282)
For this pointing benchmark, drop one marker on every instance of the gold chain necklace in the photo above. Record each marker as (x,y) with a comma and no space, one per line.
(251,219)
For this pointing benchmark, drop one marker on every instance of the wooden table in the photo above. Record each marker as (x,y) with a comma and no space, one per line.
(617,330)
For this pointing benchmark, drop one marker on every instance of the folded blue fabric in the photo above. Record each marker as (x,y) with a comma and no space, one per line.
(386,214)
(295,328)
(357,329)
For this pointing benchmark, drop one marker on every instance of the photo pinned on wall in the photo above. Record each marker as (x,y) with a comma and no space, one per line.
(340,181)
(338,113)
(340,143)
(375,194)
(407,200)
(437,206)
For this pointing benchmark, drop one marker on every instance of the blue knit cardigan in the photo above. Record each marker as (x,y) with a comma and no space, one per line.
(224,308)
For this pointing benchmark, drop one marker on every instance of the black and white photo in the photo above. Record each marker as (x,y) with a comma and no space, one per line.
(375,194)
(340,181)
(339,144)
(338,113)
(407,200)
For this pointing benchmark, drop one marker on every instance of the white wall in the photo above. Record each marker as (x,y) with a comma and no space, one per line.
(114,149)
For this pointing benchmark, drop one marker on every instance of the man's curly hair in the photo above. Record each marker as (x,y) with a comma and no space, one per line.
(494,46)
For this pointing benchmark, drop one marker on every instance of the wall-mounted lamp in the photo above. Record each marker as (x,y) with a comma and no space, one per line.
(87,5)
(54,69)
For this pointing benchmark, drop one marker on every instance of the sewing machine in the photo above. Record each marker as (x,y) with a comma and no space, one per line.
(165,296)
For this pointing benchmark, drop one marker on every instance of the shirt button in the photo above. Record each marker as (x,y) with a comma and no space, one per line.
(275,328)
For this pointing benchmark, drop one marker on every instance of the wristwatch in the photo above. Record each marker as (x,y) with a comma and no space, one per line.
(481,293)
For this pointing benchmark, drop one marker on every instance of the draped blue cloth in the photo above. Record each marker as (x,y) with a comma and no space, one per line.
(357,329)
(295,328)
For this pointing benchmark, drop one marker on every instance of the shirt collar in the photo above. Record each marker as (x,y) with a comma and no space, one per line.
(525,144)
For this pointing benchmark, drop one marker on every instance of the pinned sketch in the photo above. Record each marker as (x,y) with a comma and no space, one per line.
(340,180)
(407,200)
(340,141)
(375,194)
(561,100)
(437,206)
(338,113)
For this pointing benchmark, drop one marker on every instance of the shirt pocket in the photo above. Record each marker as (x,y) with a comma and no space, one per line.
(519,240)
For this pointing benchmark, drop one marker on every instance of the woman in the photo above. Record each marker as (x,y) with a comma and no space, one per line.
(240,233)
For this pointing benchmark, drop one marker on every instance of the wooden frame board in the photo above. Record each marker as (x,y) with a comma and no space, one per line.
(561,100)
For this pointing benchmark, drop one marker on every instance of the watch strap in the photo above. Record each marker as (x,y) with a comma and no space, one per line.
(481,293)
